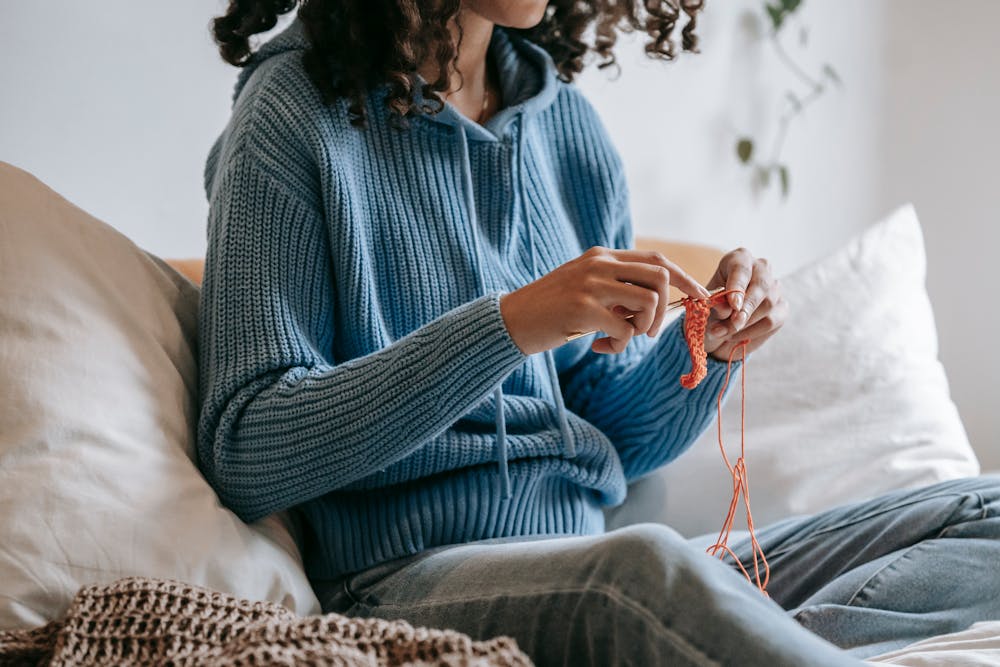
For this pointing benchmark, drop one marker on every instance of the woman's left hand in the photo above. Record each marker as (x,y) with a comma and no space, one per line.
(755,314)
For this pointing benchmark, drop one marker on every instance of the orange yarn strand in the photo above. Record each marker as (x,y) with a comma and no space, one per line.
(696,319)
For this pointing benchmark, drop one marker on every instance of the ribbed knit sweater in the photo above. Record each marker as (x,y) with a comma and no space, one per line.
(354,361)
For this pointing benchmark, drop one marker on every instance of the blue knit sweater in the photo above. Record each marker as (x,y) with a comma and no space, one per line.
(354,362)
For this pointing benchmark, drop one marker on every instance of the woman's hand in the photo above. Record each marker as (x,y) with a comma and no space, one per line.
(754,315)
(595,292)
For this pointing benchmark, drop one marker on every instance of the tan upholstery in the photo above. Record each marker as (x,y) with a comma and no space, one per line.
(194,269)
(698,260)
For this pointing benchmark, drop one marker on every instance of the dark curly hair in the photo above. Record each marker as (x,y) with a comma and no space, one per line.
(372,42)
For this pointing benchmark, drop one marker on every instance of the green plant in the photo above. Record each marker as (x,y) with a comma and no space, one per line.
(771,168)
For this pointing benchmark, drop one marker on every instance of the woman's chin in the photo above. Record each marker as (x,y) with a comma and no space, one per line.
(520,14)
(529,19)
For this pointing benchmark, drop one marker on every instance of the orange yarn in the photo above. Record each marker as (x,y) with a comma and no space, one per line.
(695,321)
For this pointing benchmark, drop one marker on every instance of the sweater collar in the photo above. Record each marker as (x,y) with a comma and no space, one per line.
(528,85)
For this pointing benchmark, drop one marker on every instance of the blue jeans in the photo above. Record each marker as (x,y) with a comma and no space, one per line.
(867,577)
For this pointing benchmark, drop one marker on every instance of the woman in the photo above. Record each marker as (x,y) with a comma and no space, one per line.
(411,210)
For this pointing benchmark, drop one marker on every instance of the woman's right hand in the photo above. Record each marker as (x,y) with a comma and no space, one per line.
(595,292)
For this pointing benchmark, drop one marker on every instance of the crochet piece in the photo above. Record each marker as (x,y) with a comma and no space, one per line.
(695,321)
(139,621)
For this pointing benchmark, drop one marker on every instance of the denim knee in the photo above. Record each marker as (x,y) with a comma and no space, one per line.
(643,560)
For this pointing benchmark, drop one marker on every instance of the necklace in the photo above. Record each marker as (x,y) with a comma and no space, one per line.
(486,104)
(486,94)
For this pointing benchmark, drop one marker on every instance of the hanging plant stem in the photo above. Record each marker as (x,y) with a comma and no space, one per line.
(778,13)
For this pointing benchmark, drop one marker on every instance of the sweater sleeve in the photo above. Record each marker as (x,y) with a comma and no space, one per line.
(280,422)
(635,397)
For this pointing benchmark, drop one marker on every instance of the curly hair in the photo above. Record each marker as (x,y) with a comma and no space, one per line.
(358,44)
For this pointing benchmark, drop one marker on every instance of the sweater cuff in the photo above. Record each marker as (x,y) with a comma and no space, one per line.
(496,336)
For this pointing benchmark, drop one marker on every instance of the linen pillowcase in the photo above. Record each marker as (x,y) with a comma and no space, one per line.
(846,402)
(98,403)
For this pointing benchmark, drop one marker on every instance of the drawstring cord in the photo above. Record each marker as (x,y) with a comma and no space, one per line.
(569,443)
(501,424)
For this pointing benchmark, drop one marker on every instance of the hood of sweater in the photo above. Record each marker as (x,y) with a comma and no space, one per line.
(528,81)
(528,86)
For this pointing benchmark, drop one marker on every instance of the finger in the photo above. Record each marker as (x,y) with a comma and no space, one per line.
(652,277)
(714,338)
(643,314)
(753,342)
(619,332)
(717,328)
(722,310)
(613,280)
(773,305)
(756,292)
(738,271)
(760,330)
(608,345)
(679,278)
(753,332)
(731,274)
(641,302)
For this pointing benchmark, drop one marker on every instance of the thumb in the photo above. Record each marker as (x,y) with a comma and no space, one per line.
(714,343)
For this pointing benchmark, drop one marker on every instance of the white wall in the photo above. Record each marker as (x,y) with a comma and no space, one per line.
(940,138)
(117,108)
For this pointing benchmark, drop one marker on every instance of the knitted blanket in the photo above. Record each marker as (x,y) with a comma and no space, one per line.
(139,621)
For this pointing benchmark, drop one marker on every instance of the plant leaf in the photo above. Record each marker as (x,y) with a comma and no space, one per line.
(777,16)
(744,149)
(783,175)
(831,74)
(790,5)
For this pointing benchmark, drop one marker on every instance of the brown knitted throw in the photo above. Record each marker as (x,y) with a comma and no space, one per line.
(139,621)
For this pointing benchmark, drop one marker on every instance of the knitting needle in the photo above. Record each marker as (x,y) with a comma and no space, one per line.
(670,306)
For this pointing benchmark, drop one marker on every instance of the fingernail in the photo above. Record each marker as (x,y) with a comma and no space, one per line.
(718,331)
(738,299)
(740,320)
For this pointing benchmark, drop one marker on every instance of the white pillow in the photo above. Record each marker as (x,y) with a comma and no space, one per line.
(846,402)
(98,383)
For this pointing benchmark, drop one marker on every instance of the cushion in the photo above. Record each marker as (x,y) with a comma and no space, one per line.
(846,402)
(98,405)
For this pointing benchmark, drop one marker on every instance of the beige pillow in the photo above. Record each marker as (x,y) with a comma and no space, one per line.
(98,386)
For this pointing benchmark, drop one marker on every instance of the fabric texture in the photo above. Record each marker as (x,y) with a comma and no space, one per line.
(867,577)
(354,361)
(976,646)
(98,408)
(848,401)
(139,621)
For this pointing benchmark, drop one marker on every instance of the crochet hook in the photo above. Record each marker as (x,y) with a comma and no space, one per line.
(677,303)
